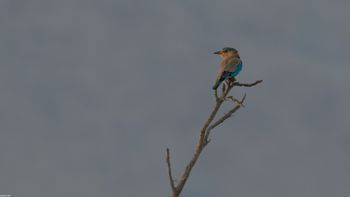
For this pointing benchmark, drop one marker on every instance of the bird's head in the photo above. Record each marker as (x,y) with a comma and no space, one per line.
(226,52)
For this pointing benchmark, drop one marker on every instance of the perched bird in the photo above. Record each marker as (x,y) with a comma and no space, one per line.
(230,66)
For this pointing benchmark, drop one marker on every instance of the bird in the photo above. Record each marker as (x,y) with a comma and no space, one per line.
(230,66)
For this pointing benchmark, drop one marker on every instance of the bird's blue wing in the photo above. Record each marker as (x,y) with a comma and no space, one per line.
(238,69)
(230,64)
(229,68)
(233,66)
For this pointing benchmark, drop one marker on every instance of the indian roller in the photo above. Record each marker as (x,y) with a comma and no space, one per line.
(230,66)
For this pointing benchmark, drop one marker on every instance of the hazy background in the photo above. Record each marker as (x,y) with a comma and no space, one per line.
(92,93)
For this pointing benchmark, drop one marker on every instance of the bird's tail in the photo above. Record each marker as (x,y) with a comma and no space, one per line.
(217,84)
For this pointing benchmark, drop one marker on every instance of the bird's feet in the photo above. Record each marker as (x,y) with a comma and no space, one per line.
(232,79)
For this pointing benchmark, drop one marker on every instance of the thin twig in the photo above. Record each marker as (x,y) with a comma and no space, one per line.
(216,95)
(247,84)
(172,184)
(224,117)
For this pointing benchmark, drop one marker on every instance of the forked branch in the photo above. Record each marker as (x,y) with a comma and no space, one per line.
(205,131)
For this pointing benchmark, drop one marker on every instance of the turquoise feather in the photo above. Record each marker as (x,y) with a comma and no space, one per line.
(229,68)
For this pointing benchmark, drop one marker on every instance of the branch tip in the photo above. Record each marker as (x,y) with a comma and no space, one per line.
(171,179)
(247,84)
(243,99)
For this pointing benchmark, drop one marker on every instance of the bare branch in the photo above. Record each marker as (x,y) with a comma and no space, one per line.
(223,87)
(216,95)
(172,184)
(227,115)
(200,146)
(247,84)
(205,131)
(233,99)
(224,117)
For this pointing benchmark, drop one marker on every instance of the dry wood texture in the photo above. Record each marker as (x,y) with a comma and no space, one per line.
(205,131)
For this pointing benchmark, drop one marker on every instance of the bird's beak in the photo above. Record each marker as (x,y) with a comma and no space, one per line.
(218,52)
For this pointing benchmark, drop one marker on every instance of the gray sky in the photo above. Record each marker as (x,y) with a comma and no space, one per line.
(92,92)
